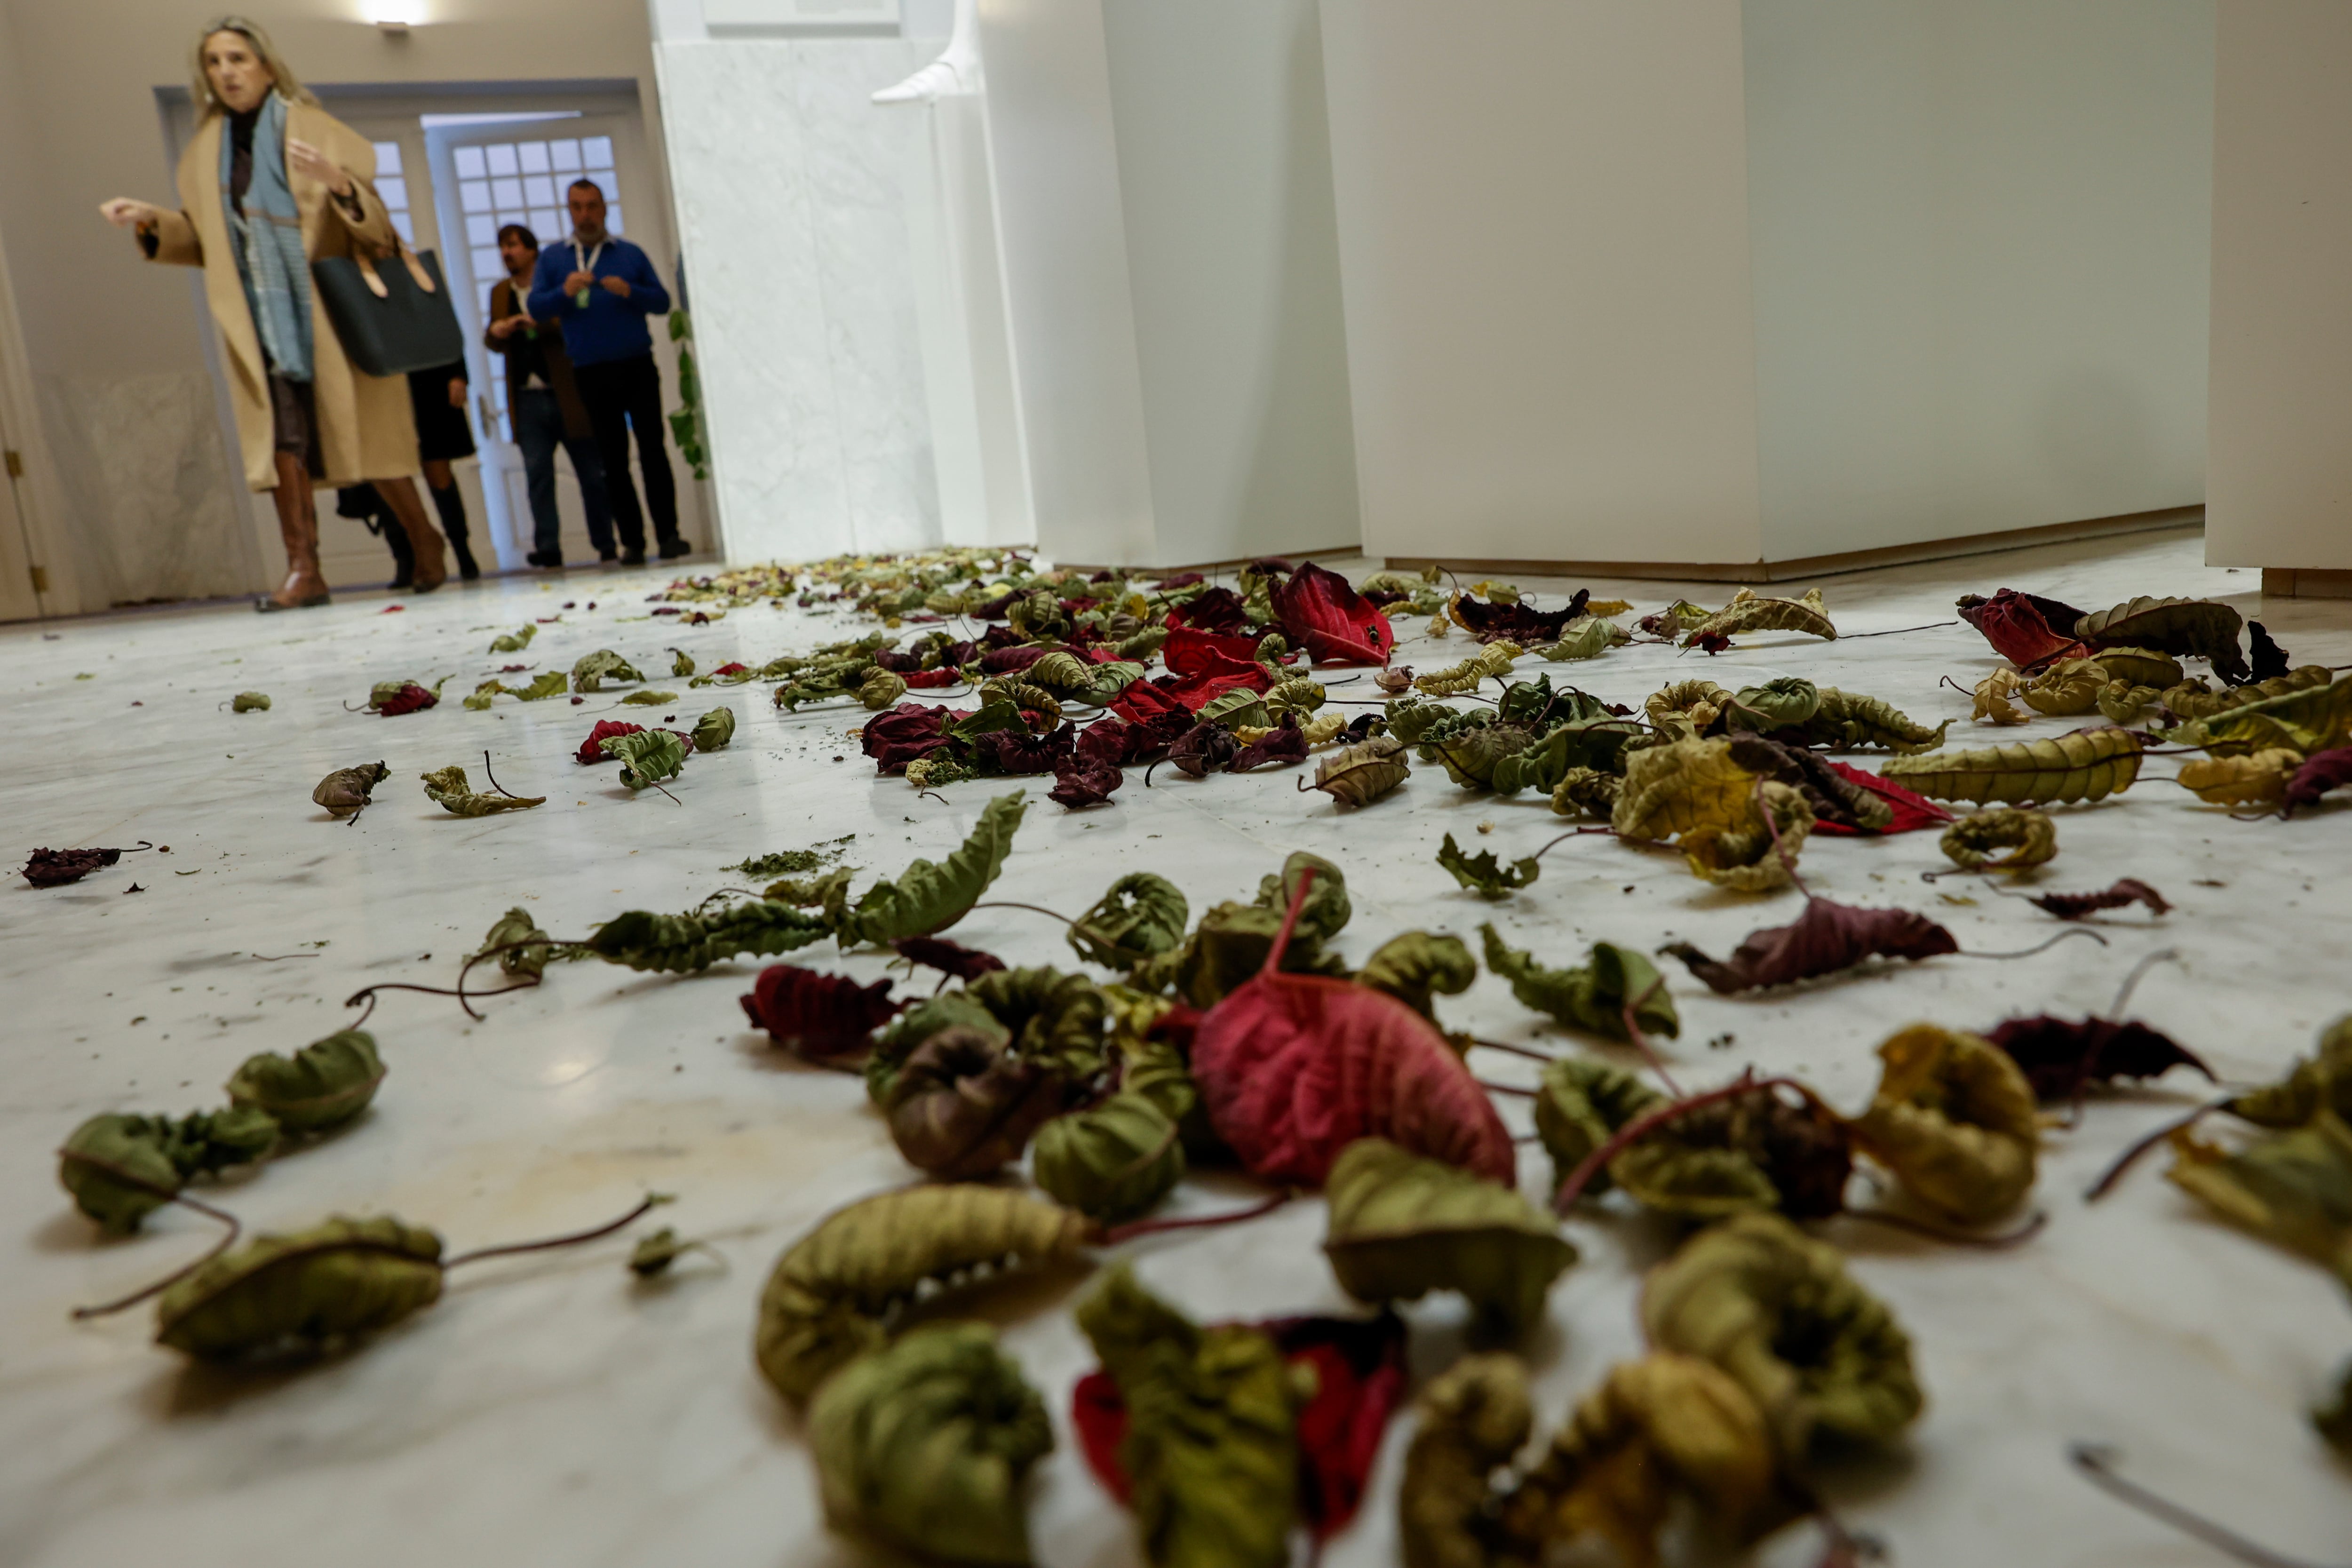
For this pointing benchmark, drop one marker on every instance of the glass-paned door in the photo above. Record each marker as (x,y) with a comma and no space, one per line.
(489,174)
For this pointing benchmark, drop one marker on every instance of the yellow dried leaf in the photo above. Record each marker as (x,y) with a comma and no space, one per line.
(1690,786)
(1686,708)
(1745,860)
(1748,612)
(2257,780)
(2068,689)
(1492,662)
(1954,1119)
(1993,694)
(2031,837)
(2088,764)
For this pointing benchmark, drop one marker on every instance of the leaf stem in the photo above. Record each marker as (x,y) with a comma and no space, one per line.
(1642,1126)
(651,1199)
(1640,1042)
(1493,1087)
(1533,1055)
(2038,947)
(1121,1232)
(2096,1461)
(2130,1157)
(1888,1217)
(165,1283)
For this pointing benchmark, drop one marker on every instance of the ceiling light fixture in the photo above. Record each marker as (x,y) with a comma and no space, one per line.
(394,17)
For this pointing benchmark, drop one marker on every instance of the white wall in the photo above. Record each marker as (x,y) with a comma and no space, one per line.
(1980,232)
(1543,235)
(1171,261)
(2280,492)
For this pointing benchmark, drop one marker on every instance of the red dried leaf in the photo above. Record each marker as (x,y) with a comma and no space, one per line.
(951,958)
(1322,613)
(1145,700)
(1710,643)
(2269,660)
(591,750)
(908,731)
(1519,622)
(1194,692)
(2320,772)
(926,679)
(1216,610)
(1181,580)
(1201,748)
(1285,745)
(409,699)
(1084,780)
(1827,938)
(1359,1381)
(1912,811)
(732,667)
(2028,632)
(1190,651)
(1011,660)
(816,1014)
(996,609)
(1293,1067)
(55,868)
(2059,1057)
(1019,751)
(2074,906)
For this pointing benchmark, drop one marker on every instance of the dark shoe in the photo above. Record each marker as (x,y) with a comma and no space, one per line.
(606,558)
(466,568)
(267,606)
(547,558)
(633,558)
(672,548)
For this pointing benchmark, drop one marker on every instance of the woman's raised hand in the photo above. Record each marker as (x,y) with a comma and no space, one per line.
(123,212)
(301,158)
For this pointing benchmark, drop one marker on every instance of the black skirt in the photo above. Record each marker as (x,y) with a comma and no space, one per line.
(441,432)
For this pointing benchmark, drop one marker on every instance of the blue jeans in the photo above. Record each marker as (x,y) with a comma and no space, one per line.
(538,430)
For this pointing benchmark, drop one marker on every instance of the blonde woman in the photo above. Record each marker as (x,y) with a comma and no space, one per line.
(271,183)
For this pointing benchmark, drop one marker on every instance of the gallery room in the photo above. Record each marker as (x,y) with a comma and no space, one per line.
(1177,783)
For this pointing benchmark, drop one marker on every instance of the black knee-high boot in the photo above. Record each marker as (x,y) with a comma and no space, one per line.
(451,504)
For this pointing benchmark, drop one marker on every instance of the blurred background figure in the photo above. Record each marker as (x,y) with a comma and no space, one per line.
(602,288)
(436,398)
(269,184)
(545,405)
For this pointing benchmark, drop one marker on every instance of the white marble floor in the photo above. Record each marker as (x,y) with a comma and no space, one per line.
(553,1410)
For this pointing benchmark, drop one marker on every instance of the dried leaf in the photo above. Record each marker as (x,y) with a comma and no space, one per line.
(1827,938)
(1142,916)
(714,729)
(60,867)
(1749,613)
(1586,637)
(303,1292)
(1510,620)
(2259,779)
(1909,811)
(1362,774)
(1587,792)
(120,1169)
(1784,702)
(1491,663)
(2088,764)
(2309,719)
(2196,698)
(962,1105)
(647,757)
(2028,631)
(654,1254)
(1201,748)
(1592,998)
(1686,709)
(1414,965)
(1285,744)
(391,699)
(958,960)
(1993,694)
(448,788)
(834,1293)
(2126,891)
(1485,874)
(1473,1419)
(1582,1103)
(2320,772)
(1846,719)
(1748,1152)
(1775,1309)
(2141,667)
(590,672)
(528,949)
(817,1014)
(2199,629)
(1083,781)
(1293,1067)
(325,1084)
(2292,1188)
(1401,1226)
(2121,702)
(517,639)
(1688,787)
(345,792)
(1050,1018)
(1327,911)
(1757,856)
(649,698)
(881,688)
(2316,1083)
(1226,948)
(1954,1120)
(249,702)
(686,944)
(924,1446)
(1212,1450)
(1828,789)
(1110,1161)
(2058,1057)
(2031,837)
(927,898)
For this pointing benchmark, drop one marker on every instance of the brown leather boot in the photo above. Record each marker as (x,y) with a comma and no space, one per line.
(432,568)
(298,526)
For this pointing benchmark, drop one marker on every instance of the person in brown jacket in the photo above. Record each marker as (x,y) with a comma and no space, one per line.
(543,405)
(271,183)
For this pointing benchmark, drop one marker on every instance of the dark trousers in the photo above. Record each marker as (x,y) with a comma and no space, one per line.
(538,430)
(622,395)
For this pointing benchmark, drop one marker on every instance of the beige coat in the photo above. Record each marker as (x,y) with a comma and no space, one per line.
(366,430)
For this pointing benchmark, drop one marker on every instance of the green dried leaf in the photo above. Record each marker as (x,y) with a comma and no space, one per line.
(1054,1019)
(2088,765)
(1473,1419)
(1142,916)
(2143,667)
(516,640)
(1955,1120)
(649,698)
(1748,612)
(647,757)
(1112,1162)
(1749,1152)
(714,729)
(1587,637)
(1586,791)
(2031,837)
(1296,695)
(1485,874)
(2314,1083)
(835,1294)
(1039,617)
(880,689)
(1846,720)
(1362,774)
(1236,708)
(654,1254)
(1777,1310)
(590,673)
(930,1017)
(2199,629)
(345,792)
(677,944)
(120,1169)
(1063,674)
(517,926)
(247,702)
(1581,1104)
(1776,704)
(1210,1444)
(303,1292)
(2293,1188)
(1228,947)
(2312,718)
(448,788)
(1411,965)
(923,1446)
(325,1084)
(681,665)
(1325,913)
(1592,998)
(927,898)
(1402,1226)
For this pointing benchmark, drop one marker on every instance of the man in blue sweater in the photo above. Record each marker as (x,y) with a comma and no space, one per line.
(602,288)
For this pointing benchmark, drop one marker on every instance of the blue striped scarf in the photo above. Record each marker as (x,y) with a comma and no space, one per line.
(268,243)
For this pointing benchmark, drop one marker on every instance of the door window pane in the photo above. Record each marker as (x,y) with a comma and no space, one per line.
(481,230)
(474,195)
(612,218)
(597,152)
(470,164)
(407,227)
(501,155)
(486,264)
(387,158)
(534,157)
(394,190)
(551,223)
(539,190)
(564,155)
(506,192)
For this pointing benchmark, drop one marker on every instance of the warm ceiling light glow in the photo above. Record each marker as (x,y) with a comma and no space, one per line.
(395,15)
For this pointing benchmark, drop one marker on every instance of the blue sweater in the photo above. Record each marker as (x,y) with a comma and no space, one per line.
(610,328)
